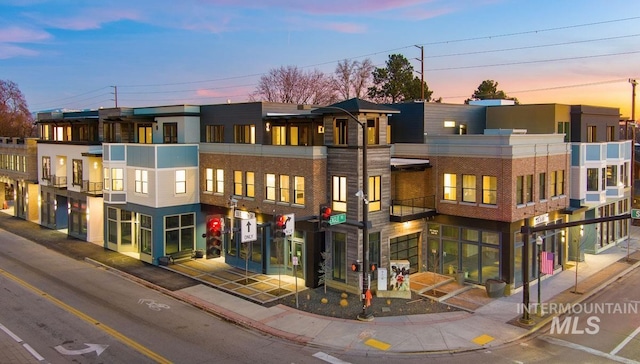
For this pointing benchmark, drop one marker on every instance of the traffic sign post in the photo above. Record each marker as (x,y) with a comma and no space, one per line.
(249,230)
(289,224)
(635,213)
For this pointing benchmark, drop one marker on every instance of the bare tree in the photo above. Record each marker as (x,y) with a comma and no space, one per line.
(292,85)
(15,118)
(353,78)
(343,78)
(362,80)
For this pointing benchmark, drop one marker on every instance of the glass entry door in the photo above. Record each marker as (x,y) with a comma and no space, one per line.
(295,254)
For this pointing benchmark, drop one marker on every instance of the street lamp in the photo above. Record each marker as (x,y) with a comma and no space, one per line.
(525,319)
(364,315)
(539,244)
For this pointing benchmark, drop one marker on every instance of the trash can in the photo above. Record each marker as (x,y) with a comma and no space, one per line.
(495,288)
(460,278)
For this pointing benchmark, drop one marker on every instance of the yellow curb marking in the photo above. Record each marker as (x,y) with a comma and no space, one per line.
(483,339)
(377,344)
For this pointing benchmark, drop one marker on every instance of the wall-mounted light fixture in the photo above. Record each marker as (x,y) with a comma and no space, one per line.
(449,124)
(268,127)
(320,129)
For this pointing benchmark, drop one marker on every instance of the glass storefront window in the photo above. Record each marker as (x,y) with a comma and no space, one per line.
(490,237)
(470,264)
(470,235)
(490,263)
(339,266)
(450,231)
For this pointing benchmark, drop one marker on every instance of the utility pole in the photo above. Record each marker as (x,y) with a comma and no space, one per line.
(421,59)
(633,83)
(115,94)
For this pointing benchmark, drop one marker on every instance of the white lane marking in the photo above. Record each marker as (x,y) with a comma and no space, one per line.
(625,342)
(88,349)
(33,352)
(13,336)
(589,350)
(328,358)
(24,345)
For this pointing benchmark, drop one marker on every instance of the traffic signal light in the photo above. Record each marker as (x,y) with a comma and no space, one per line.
(325,214)
(280,222)
(355,266)
(215,227)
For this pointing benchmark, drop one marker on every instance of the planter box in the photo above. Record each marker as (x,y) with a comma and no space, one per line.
(495,288)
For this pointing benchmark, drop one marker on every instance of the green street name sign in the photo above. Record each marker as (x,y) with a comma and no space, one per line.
(340,218)
(635,213)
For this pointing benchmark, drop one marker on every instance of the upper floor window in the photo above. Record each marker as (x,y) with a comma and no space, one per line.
(375,193)
(592,179)
(208,180)
(542,185)
(145,134)
(299,135)
(612,176)
(449,187)
(468,188)
(340,131)
(77,172)
(250,184)
(237,183)
(61,133)
(105,178)
(142,182)
(170,133)
(611,133)
(557,183)
(524,189)
(489,190)
(181,181)
(563,128)
(285,189)
(624,174)
(109,132)
(244,134)
(373,133)
(298,190)
(117,179)
(214,134)
(591,133)
(279,135)
(339,193)
(270,186)
(219,181)
(46,168)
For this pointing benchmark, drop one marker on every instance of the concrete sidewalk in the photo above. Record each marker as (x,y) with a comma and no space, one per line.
(492,325)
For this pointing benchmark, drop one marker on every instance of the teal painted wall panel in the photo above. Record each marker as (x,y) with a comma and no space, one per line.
(178,156)
(140,156)
(117,153)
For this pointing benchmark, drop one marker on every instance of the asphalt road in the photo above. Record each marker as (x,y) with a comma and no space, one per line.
(70,311)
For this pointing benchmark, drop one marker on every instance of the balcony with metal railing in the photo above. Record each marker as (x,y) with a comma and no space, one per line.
(412,209)
(92,188)
(59,181)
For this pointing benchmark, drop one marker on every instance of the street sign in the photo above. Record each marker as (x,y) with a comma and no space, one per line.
(635,213)
(249,230)
(337,219)
(289,224)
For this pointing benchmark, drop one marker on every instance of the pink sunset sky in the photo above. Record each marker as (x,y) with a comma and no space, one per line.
(71,54)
